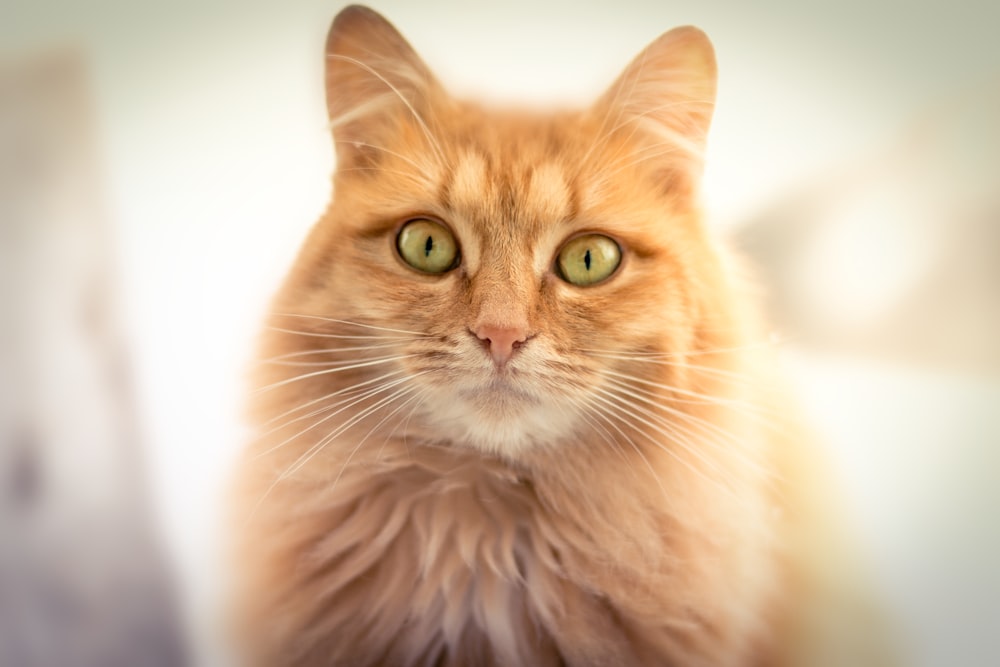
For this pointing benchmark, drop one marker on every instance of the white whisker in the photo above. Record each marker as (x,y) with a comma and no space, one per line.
(384,150)
(695,421)
(308,455)
(759,413)
(338,369)
(691,353)
(352,323)
(623,405)
(421,396)
(607,416)
(310,364)
(344,390)
(709,370)
(605,434)
(347,462)
(326,350)
(317,334)
(704,398)
(350,403)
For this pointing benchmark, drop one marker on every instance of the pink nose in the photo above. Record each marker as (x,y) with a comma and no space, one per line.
(502,341)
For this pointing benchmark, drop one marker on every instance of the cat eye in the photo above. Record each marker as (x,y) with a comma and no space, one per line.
(427,246)
(588,259)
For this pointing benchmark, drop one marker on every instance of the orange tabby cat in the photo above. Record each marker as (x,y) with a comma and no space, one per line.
(511,408)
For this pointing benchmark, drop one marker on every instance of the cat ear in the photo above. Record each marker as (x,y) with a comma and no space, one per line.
(373,77)
(669,91)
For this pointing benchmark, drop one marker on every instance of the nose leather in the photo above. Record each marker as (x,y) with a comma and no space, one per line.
(502,341)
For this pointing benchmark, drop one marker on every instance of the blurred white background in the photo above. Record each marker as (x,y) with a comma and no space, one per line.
(854,152)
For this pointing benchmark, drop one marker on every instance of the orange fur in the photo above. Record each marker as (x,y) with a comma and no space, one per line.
(617,494)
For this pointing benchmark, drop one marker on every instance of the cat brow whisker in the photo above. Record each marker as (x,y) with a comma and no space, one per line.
(385,170)
(328,371)
(416,116)
(352,323)
(677,140)
(616,158)
(645,158)
(635,119)
(385,150)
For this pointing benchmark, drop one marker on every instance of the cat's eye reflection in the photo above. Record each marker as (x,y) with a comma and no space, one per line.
(588,259)
(427,246)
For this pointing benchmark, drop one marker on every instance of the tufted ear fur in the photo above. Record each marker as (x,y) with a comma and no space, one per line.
(373,78)
(667,92)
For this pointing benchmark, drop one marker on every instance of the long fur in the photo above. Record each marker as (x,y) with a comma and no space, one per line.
(627,490)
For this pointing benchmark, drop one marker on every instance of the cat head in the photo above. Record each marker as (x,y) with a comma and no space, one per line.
(496,277)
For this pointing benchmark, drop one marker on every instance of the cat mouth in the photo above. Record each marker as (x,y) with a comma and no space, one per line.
(500,388)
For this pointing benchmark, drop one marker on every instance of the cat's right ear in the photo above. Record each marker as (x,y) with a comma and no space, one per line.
(374,78)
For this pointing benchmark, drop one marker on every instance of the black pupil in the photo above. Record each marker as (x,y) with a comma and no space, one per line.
(586,259)
(428,246)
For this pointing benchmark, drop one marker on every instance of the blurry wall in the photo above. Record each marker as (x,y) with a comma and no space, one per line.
(83,578)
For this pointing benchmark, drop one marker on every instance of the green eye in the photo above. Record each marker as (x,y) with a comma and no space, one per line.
(427,246)
(588,259)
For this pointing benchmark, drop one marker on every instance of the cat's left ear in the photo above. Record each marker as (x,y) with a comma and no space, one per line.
(669,91)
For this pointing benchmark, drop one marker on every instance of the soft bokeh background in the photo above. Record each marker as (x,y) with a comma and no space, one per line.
(855,156)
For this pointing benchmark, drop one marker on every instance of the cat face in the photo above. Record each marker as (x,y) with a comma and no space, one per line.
(494,271)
